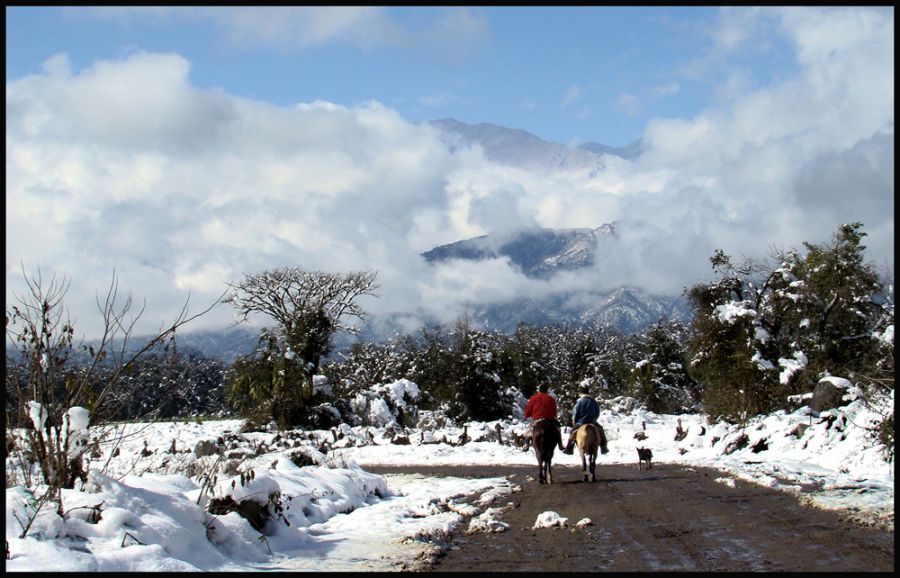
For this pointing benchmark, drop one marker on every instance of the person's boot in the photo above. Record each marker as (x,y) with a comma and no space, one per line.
(570,448)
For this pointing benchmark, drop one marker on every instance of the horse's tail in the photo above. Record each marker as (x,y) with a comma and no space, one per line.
(604,449)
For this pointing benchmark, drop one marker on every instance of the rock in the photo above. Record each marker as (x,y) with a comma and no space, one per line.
(254,512)
(738,443)
(206,448)
(799,430)
(828,394)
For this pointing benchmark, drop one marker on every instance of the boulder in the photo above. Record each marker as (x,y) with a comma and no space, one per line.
(828,393)
(206,448)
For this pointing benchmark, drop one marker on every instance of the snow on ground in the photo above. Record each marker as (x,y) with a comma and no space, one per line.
(145,509)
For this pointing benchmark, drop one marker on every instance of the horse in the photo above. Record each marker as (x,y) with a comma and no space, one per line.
(590,437)
(545,437)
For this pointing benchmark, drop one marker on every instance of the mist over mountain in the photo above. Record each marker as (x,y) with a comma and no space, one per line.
(521,149)
(538,252)
(226,344)
(543,253)
(626,310)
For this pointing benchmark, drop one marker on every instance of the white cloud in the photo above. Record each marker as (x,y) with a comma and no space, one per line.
(442,99)
(181,189)
(787,162)
(298,27)
(435,100)
(628,103)
(451,34)
(738,27)
(573,95)
(176,198)
(666,89)
(456,34)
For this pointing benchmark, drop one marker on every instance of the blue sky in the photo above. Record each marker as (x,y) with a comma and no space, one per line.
(183,148)
(565,74)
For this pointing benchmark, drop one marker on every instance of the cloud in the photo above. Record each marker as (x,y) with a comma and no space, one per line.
(190,189)
(738,28)
(435,100)
(628,103)
(763,157)
(442,99)
(666,89)
(452,35)
(182,190)
(456,35)
(299,27)
(572,96)
(286,28)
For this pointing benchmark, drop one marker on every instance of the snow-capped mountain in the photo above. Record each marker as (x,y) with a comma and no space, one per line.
(519,148)
(541,253)
(537,252)
(626,310)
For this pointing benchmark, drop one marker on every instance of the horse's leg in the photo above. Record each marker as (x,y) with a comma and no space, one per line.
(593,467)
(548,451)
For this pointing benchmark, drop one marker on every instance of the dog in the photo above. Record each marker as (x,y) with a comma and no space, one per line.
(644,456)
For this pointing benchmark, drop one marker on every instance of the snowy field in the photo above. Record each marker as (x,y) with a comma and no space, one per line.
(145,509)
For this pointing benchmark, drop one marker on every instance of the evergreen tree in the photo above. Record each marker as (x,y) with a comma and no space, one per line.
(762,332)
(476,383)
(660,380)
(522,359)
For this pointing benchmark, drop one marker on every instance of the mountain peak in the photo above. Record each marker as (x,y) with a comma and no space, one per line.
(537,252)
(520,148)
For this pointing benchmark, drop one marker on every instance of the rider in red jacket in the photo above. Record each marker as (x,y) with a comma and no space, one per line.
(542,406)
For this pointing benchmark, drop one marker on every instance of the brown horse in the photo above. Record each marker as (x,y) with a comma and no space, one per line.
(544,439)
(590,437)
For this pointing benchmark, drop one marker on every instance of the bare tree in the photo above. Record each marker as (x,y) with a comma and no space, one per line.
(309,306)
(290,294)
(53,397)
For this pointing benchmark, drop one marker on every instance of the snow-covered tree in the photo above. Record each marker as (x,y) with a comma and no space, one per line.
(477,394)
(765,331)
(660,379)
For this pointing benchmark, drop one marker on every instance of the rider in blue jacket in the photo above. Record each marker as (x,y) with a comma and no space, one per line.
(586,411)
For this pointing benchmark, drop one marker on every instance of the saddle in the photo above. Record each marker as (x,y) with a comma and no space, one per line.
(553,421)
(549,420)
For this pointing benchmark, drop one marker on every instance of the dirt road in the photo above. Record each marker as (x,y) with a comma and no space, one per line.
(670,518)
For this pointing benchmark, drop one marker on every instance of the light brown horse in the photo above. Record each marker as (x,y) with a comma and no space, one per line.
(590,437)
(545,437)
